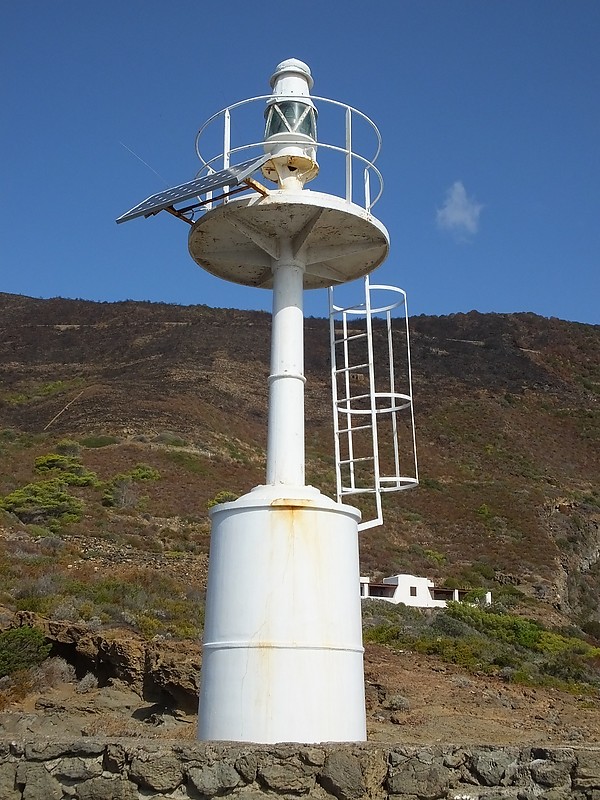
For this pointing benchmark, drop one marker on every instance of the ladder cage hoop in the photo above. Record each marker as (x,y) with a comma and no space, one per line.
(355,414)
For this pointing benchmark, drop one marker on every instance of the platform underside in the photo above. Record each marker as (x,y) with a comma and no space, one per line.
(337,241)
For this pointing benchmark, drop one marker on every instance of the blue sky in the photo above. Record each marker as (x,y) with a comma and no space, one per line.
(489,112)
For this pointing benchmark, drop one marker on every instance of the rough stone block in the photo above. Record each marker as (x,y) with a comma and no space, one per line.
(87,747)
(286,776)
(114,758)
(213,779)
(491,766)
(102,788)
(8,785)
(45,751)
(162,774)
(313,756)
(414,777)
(587,771)
(342,776)
(76,769)
(37,782)
(455,758)
(551,773)
(555,794)
(246,765)
(17,749)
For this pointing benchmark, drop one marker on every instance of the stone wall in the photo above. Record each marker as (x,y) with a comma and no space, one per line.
(119,769)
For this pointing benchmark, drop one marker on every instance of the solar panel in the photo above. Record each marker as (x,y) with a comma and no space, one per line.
(226,177)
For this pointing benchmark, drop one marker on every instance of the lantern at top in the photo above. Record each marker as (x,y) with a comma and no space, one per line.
(291,127)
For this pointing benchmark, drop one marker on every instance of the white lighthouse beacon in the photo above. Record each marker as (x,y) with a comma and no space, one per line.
(282,649)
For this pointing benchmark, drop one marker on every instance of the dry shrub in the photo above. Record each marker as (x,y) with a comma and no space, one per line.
(15,687)
(87,683)
(53,672)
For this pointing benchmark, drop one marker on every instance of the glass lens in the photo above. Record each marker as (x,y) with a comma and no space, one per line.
(290,116)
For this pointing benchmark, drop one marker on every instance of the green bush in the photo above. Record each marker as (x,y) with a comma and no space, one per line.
(482,640)
(45,503)
(144,472)
(67,447)
(121,491)
(188,461)
(435,557)
(55,461)
(470,653)
(503,627)
(475,596)
(148,602)
(169,438)
(592,628)
(72,471)
(222,497)
(382,634)
(102,440)
(21,648)
(431,483)
(484,569)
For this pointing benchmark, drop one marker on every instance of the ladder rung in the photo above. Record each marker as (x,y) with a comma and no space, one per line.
(356,428)
(350,338)
(351,369)
(355,460)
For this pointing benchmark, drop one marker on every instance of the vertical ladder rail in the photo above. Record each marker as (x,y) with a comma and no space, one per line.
(226,146)
(410,391)
(394,414)
(334,390)
(373,408)
(348,401)
(348,155)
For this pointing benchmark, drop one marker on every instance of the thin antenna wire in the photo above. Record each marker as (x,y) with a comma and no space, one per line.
(144,162)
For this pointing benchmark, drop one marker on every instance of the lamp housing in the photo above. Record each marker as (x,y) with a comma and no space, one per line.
(291,127)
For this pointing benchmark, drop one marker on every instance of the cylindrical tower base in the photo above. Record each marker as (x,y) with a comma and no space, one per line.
(283,655)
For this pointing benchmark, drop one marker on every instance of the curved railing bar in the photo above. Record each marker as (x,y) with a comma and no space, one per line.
(240,148)
(360,310)
(262,97)
(386,410)
(369,164)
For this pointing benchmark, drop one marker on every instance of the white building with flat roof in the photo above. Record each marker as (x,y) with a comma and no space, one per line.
(413,591)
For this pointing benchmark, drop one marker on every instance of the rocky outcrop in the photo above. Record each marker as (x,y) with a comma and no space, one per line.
(91,769)
(158,671)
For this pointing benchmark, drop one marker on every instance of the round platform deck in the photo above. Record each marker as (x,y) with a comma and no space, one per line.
(336,240)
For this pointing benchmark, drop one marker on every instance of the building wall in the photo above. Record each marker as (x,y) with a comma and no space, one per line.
(413,590)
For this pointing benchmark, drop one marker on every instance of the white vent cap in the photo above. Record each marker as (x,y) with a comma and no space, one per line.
(292,77)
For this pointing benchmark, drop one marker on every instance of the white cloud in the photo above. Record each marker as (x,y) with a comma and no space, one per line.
(460,213)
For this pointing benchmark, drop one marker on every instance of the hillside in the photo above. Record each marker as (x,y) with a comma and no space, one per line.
(508,426)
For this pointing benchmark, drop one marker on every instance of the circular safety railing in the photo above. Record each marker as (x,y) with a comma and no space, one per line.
(348,145)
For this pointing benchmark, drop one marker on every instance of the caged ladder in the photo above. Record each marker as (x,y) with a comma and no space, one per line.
(372,402)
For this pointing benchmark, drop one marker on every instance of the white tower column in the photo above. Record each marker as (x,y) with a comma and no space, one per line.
(285,440)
